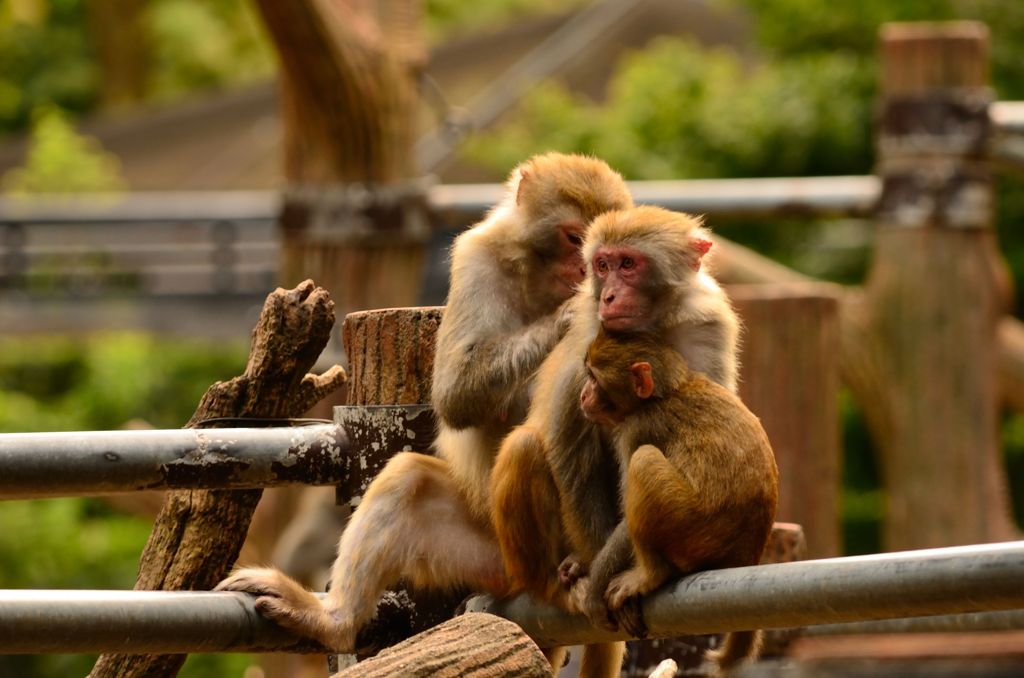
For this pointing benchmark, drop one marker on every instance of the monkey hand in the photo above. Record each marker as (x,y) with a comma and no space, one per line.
(622,597)
(571,570)
(630,617)
(286,603)
(563,318)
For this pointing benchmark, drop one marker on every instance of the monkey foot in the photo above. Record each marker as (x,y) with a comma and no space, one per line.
(570,570)
(631,583)
(287,604)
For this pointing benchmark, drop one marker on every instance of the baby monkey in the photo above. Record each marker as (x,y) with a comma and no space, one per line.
(698,480)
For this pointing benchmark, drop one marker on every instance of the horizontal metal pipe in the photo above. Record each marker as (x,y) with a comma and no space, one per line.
(100,462)
(35,622)
(884,586)
(1006,620)
(1008,116)
(913,583)
(787,196)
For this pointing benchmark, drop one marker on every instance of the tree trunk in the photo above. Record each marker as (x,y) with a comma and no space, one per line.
(353,218)
(198,533)
(121,42)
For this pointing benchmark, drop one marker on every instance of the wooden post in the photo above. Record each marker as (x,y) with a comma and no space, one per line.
(789,377)
(926,326)
(355,215)
(391,359)
(198,534)
(391,355)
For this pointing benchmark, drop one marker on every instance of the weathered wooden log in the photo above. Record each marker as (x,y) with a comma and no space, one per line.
(789,378)
(474,645)
(198,533)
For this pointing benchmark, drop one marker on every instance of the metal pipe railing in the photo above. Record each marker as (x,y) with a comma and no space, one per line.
(35,622)
(99,462)
(1006,620)
(884,586)
(784,196)
(895,585)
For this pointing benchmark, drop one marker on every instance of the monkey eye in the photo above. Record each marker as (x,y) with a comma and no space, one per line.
(627,262)
(574,239)
(602,265)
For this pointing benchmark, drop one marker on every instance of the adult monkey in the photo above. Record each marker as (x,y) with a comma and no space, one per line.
(423,518)
(554,484)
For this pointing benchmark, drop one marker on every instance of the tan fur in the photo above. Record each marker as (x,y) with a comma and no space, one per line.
(701,485)
(500,321)
(692,315)
(426,519)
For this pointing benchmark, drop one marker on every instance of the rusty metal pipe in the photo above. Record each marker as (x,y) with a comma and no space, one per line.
(36,465)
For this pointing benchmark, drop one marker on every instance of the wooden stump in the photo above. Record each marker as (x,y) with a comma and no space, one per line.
(475,645)
(391,355)
(198,533)
(391,359)
(789,378)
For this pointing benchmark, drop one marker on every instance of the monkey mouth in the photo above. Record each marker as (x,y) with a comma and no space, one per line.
(620,321)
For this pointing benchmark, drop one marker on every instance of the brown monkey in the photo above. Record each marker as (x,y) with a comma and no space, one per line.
(423,518)
(554,485)
(699,481)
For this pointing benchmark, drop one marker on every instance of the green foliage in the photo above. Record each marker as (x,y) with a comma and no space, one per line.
(99,383)
(794,27)
(1013,446)
(64,383)
(448,17)
(46,59)
(799,27)
(48,53)
(62,161)
(200,45)
(675,110)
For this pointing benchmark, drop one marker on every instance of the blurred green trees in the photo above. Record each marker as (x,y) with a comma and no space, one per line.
(96,383)
(62,161)
(49,49)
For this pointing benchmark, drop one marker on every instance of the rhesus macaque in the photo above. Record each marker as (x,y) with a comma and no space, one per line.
(554,485)
(426,519)
(699,482)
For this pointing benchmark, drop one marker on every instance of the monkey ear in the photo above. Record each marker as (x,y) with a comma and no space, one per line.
(524,177)
(701,247)
(643,382)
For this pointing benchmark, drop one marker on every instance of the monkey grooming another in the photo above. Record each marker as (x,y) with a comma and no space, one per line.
(699,481)
(555,482)
(426,519)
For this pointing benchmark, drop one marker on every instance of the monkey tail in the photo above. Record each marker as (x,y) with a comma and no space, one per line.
(736,648)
